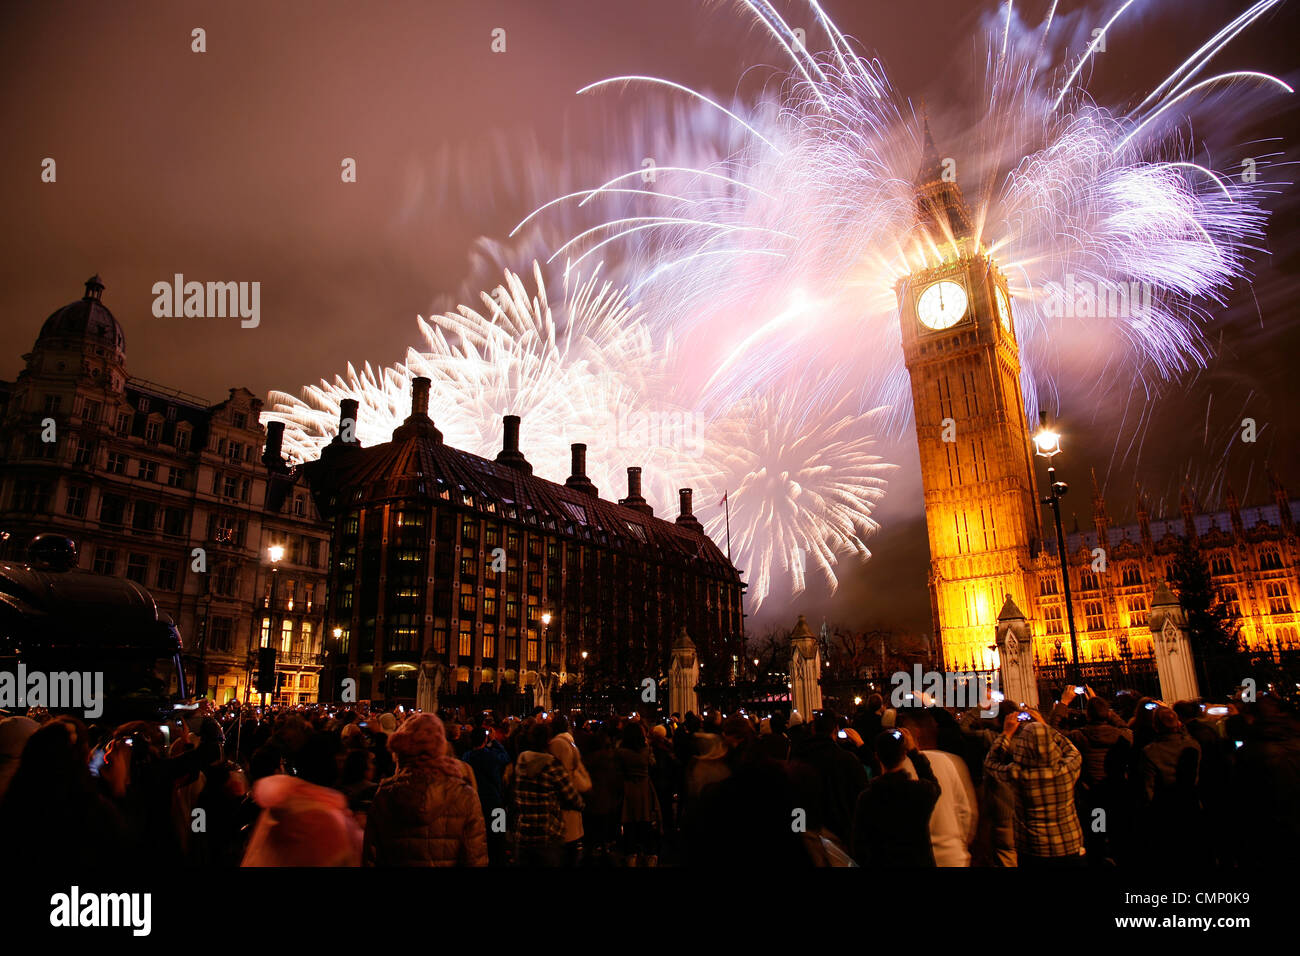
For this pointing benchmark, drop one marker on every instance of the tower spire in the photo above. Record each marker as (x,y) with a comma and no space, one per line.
(1100,520)
(931,168)
(939,199)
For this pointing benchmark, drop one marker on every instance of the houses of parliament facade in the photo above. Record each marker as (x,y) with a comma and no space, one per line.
(987,536)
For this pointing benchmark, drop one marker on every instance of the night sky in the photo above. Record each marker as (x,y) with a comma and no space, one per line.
(225,166)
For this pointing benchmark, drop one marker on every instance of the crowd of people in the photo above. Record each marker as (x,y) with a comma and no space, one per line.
(1098,781)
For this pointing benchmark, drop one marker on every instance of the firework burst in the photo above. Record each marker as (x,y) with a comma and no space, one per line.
(767,237)
(788,247)
(567,370)
(804,480)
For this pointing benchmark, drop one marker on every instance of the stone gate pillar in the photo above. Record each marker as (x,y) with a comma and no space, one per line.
(1174,660)
(805,670)
(428,685)
(543,687)
(1016,655)
(683,676)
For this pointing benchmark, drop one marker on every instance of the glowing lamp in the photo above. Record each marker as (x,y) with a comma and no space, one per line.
(1047,443)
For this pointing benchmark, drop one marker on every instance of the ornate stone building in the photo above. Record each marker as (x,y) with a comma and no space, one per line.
(982,504)
(166,489)
(478,582)
(1253,554)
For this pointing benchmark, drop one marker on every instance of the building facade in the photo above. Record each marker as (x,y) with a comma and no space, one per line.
(982,507)
(170,491)
(1253,554)
(475,581)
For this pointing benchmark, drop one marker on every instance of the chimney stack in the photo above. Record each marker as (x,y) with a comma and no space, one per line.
(347,427)
(418,423)
(420,397)
(687,517)
(634,499)
(510,455)
(272,456)
(579,480)
(348,420)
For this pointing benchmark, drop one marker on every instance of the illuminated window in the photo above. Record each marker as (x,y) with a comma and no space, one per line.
(1137,611)
(468,599)
(1231,602)
(1279,598)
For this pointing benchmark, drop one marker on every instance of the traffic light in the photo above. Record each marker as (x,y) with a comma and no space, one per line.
(266,670)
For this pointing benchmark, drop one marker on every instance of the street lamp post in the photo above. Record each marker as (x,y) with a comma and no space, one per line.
(583,700)
(542,667)
(333,659)
(1048,445)
(275,552)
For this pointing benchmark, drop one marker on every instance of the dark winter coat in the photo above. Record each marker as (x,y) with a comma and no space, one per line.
(891,826)
(424,818)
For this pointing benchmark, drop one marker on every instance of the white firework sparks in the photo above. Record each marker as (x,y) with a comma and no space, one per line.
(567,371)
(768,240)
(816,203)
(802,481)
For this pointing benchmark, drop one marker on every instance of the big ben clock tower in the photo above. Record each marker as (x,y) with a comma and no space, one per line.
(981,500)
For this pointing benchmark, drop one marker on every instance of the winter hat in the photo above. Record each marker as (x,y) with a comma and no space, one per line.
(352,736)
(302,824)
(795,718)
(423,740)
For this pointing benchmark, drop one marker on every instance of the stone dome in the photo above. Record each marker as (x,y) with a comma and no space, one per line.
(86,319)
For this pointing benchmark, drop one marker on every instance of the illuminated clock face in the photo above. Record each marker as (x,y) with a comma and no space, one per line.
(1004,309)
(942,305)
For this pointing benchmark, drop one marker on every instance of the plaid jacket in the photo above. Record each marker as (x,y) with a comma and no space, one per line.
(1041,767)
(543,788)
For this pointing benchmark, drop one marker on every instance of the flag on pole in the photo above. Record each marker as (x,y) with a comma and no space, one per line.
(724,499)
